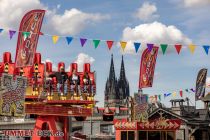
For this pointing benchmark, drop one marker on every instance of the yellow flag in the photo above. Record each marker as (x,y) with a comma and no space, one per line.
(174,94)
(192,48)
(55,38)
(123,44)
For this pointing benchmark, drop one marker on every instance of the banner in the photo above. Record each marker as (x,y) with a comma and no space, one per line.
(12,95)
(141,107)
(200,84)
(147,67)
(26,46)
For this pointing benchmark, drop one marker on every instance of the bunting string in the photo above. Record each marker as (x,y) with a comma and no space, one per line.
(175,94)
(123,44)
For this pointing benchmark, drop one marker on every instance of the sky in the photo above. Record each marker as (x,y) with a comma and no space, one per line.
(169,21)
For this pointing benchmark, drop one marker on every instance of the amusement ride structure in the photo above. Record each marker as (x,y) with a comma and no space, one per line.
(31,87)
(51,105)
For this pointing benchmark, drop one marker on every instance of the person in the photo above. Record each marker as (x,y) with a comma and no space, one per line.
(61,78)
(49,82)
(86,82)
(74,81)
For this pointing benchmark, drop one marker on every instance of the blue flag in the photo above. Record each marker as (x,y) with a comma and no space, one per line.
(1,30)
(206,48)
(69,39)
(137,45)
(167,94)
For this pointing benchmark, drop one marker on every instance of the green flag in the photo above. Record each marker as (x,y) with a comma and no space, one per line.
(163,47)
(25,34)
(96,43)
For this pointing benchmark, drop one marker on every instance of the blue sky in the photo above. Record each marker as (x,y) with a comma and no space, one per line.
(171,21)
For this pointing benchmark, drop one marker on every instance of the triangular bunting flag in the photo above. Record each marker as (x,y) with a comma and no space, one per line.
(109,44)
(150,46)
(206,48)
(178,48)
(192,48)
(11,33)
(123,44)
(163,47)
(55,38)
(40,33)
(82,41)
(25,34)
(137,45)
(69,39)
(159,96)
(192,90)
(147,98)
(174,94)
(1,30)
(167,94)
(96,43)
(156,98)
(181,93)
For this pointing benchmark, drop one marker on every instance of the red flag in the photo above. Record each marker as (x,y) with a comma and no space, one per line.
(178,48)
(26,47)
(155,97)
(147,67)
(181,93)
(109,44)
(40,33)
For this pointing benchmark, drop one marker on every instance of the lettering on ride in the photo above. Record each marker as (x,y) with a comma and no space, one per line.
(149,63)
(29,43)
(12,95)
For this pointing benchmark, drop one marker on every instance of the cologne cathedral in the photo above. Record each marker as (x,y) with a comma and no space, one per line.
(116,90)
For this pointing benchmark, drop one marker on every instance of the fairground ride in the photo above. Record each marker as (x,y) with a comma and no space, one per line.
(27,89)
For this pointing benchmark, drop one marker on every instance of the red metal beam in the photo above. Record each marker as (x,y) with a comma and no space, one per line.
(53,110)
(75,102)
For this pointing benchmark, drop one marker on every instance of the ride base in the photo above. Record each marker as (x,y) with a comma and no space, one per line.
(53,112)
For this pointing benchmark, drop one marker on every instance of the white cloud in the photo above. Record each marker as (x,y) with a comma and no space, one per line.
(11,12)
(83,58)
(196,3)
(156,33)
(147,12)
(74,20)
(48,60)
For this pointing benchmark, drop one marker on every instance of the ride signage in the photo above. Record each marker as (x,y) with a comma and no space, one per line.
(12,95)
(147,67)
(28,38)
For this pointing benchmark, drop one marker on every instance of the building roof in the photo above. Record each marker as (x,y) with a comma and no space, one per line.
(198,117)
(177,100)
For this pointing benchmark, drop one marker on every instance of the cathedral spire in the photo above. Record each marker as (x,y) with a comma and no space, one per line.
(112,72)
(122,70)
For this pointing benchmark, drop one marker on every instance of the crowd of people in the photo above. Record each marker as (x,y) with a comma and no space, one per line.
(67,83)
